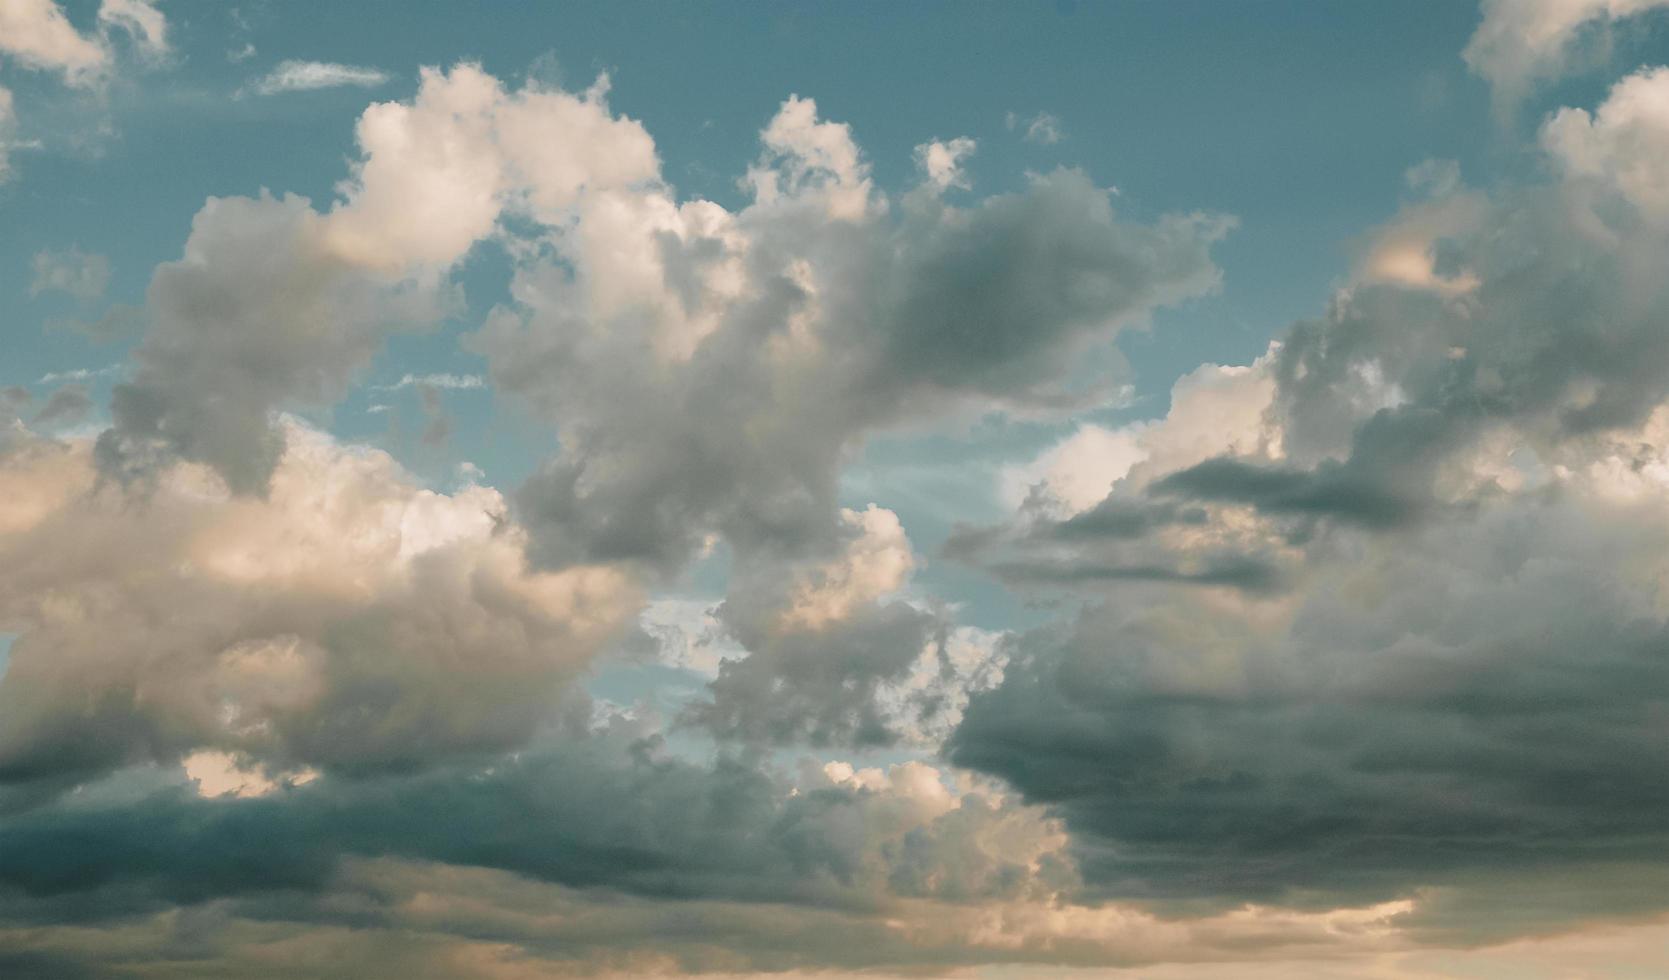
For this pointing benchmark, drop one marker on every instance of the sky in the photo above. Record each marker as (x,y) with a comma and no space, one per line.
(1160,490)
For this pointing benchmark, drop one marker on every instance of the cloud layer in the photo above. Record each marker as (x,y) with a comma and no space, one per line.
(1346,653)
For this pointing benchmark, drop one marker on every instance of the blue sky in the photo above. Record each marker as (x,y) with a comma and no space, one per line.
(1004,490)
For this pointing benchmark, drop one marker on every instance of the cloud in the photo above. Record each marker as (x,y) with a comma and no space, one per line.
(907,868)
(80,374)
(141,20)
(1381,614)
(233,337)
(349,620)
(447,381)
(1621,146)
(233,324)
(829,652)
(307,76)
(1363,644)
(970,306)
(79,274)
(1043,128)
(38,35)
(1522,42)
(941,162)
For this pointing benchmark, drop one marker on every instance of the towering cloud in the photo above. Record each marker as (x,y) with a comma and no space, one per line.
(1403,622)
(1353,650)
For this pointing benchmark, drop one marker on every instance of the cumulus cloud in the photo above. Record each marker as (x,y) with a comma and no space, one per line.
(1362,637)
(1522,42)
(1622,146)
(348,621)
(777,336)
(237,325)
(829,652)
(306,76)
(38,35)
(941,162)
(1392,618)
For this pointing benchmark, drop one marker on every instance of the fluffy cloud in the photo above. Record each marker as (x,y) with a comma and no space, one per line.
(275,304)
(1623,145)
(753,328)
(941,162)
(1522,42)
(776,337)
(831,652)
(38,35)
(348,621)
(1393,619)
(1366,634)
(261,313)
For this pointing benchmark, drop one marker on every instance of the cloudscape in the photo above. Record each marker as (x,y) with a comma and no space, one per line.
(1059,490)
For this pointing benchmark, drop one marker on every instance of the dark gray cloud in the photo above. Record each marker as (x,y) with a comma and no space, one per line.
(1327,491)
(817,686)
(608,811)
(1456,681)
(1428,712)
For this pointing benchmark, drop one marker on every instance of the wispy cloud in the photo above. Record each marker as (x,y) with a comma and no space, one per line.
(1042,128)
(303,76)
(82,275)
(79,374)
(435,381)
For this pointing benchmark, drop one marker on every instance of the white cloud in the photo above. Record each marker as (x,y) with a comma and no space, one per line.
(875,561)
(141,20)
(450,381)
(1623,145)
(306,76)
(231,774)
(810,158)
(941,162)
(38,35)
(1522,42)
(1079,471)
(81,374)
(348,619)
